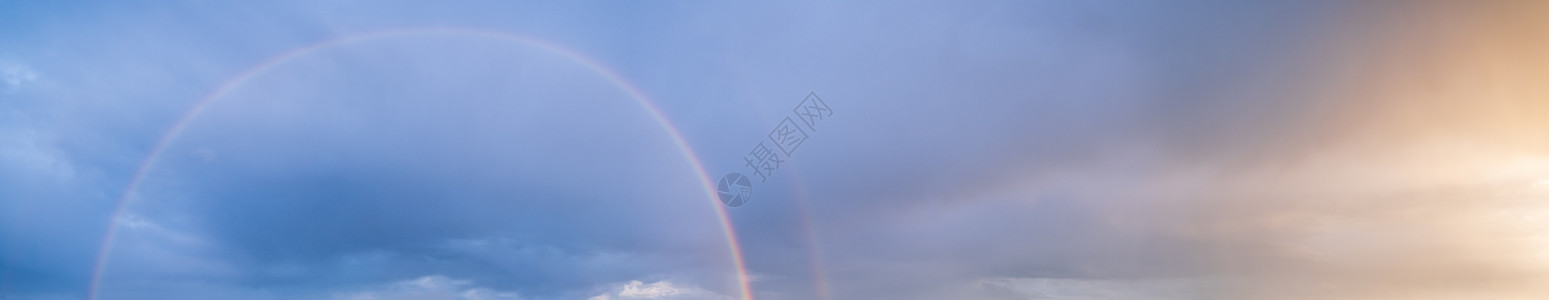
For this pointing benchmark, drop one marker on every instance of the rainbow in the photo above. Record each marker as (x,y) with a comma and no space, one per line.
(814,254)
(183,121)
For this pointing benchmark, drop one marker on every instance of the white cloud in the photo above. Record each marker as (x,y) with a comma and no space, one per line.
(1090,289)
(649,291)
(33,151)
(664,290)
(428,288)
(16,75)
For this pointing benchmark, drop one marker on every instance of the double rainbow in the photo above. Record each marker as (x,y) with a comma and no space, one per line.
(640,98)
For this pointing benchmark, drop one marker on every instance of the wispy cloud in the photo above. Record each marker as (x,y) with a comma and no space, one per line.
(427,288)
(663,290)
(16,76)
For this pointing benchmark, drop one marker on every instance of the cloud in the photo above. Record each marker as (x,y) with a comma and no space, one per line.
(664,290)
(33,150)
(430,287)
(1087,289)
(16,76)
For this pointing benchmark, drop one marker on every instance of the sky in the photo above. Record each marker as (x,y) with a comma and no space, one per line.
(1000,150)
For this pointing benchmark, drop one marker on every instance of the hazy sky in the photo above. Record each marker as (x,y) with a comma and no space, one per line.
(976,150)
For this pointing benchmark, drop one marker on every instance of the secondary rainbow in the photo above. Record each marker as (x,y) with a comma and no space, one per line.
(640,98)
